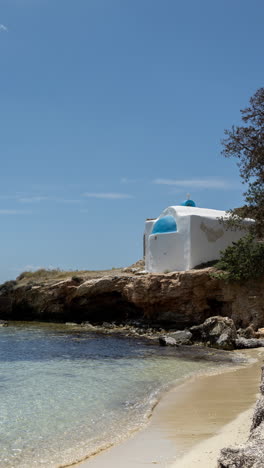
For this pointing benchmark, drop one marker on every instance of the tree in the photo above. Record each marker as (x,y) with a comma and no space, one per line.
(246,143)
(241,261)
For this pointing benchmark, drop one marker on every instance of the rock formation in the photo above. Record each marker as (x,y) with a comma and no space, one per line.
(175,300)
(219,332)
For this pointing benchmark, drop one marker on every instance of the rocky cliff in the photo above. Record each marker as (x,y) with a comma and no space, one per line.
(176,300)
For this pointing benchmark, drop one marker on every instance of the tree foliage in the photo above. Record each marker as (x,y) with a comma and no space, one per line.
(246,143)
(242,261)
(245,259)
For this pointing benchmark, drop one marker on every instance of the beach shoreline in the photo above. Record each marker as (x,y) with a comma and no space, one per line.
(192,421)
(205,453)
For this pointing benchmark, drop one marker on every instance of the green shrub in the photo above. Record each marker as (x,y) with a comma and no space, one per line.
(243,260)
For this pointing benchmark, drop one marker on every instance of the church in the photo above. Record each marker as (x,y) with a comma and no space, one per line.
(186,236)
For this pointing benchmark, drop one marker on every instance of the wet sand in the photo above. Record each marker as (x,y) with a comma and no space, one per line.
(192,422)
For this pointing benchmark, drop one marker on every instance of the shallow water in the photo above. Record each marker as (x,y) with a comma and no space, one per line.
(66,394)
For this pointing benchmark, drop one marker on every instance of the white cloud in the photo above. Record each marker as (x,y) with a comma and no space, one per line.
(3,28)
(32,199)
(39,199)
(15,212)
(108,195)
(205,183)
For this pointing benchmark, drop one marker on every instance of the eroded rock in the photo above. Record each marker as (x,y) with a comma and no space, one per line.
(176,300)
(3,323)
(219,332)
(260,333)
(247,332)
(167,341)
(182,337)
(244,343)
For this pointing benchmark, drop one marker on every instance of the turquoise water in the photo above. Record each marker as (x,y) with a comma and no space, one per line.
(65,394)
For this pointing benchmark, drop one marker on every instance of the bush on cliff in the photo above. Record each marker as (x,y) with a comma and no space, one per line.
(243,260)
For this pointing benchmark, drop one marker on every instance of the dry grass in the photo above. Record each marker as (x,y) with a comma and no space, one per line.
(45,275)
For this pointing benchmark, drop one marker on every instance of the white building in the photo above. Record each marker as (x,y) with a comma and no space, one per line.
(183,237)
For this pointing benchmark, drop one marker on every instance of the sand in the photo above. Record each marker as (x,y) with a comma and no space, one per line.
(204,454)
(192,422)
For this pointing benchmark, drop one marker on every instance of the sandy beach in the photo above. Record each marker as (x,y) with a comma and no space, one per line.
(192,422)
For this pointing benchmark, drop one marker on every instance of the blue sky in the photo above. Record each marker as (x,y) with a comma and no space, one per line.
(112,110)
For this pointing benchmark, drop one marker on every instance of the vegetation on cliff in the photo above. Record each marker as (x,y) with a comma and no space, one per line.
(245,258)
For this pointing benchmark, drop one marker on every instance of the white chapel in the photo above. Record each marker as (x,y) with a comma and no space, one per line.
(185,236)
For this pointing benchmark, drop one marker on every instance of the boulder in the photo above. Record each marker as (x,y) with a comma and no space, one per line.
(219,332)
(167,341)
(260,333)
(108,325)
(3,323)
(244,343)
(250,456)
(182,337)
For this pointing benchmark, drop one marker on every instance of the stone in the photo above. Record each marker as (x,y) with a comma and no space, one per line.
(258,416)
(219,332)
(134,271)
(77,279)
(223,341)
(244,343)
(167,341)
(247,332)
(3,323)
(259,333)
(108,325)
(250,457)
(182,337)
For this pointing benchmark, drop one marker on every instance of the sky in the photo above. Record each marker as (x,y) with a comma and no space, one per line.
(110,111)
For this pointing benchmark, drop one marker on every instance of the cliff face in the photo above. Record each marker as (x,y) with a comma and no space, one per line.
(179,299)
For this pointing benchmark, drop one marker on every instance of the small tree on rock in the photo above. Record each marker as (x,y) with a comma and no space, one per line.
(246,143)
(244,260)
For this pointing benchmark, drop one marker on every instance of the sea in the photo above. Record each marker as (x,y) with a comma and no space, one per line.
(66,393)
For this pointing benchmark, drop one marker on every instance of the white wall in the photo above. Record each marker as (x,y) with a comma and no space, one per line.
(166,251)
(208,238)
(148,229)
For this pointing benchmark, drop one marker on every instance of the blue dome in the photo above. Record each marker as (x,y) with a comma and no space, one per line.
(188,203)
(165,224)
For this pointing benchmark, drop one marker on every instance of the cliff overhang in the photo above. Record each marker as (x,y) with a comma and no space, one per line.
(178,299)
